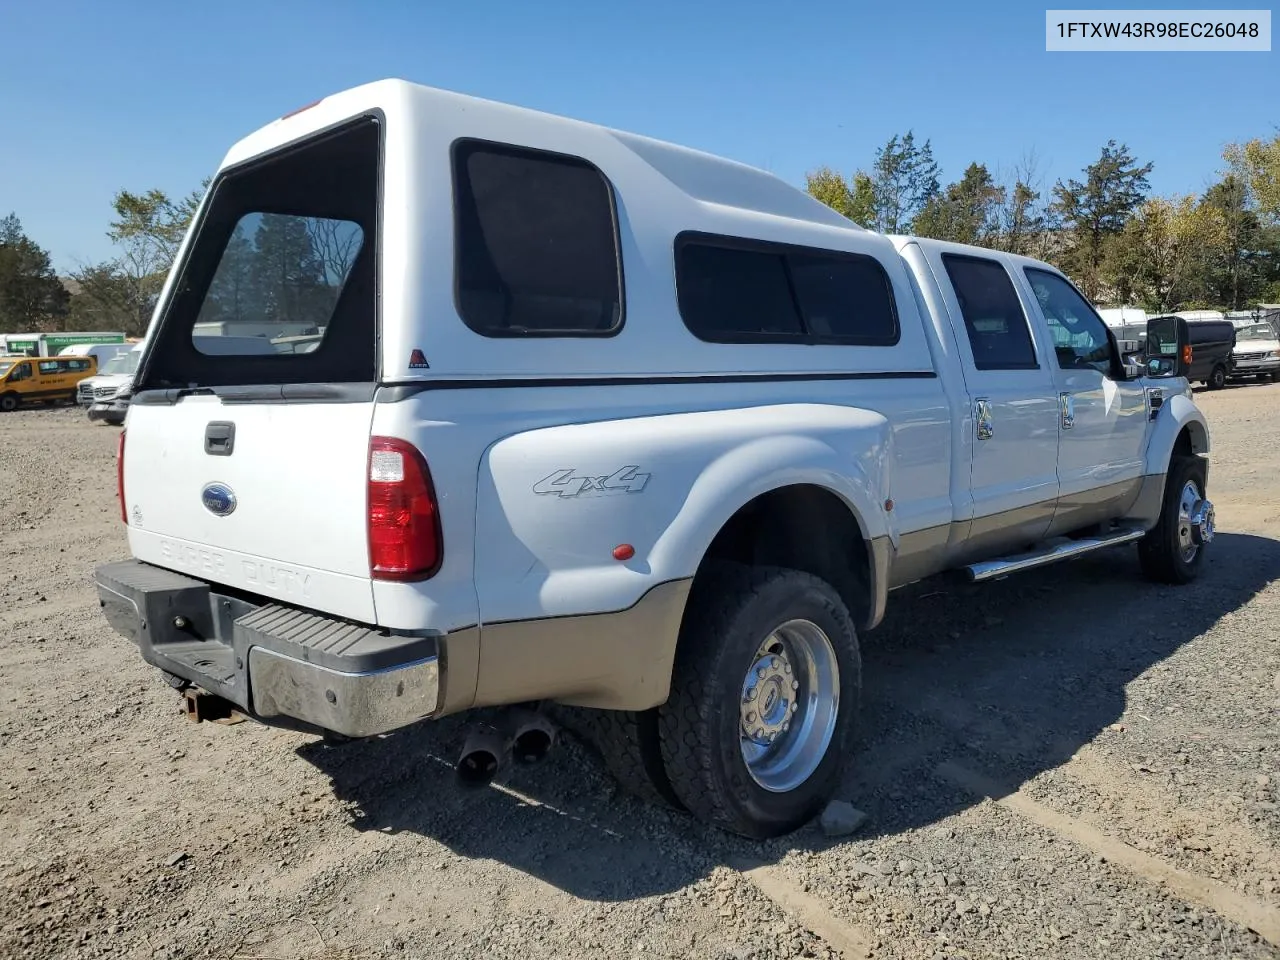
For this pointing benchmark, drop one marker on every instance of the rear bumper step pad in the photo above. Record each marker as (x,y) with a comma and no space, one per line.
(272,660)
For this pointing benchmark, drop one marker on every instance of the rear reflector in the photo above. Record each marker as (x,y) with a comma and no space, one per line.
(404,521)
(124,514)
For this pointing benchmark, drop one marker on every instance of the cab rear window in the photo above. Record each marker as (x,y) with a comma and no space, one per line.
(279,286)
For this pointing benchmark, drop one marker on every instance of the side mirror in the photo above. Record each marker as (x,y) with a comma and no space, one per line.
(1168,347)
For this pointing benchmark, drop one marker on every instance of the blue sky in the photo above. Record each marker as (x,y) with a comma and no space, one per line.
(95,97)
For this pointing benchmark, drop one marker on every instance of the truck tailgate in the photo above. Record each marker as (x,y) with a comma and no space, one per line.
(282,515)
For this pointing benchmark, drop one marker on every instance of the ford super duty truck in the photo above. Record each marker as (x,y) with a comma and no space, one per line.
(602,421)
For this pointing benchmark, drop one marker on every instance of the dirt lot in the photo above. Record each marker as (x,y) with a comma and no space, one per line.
(1073,763)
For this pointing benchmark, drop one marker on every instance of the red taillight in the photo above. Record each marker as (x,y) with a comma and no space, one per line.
(404,522)
(124,513)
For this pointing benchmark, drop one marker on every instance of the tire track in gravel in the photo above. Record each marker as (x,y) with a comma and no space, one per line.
(1248,912)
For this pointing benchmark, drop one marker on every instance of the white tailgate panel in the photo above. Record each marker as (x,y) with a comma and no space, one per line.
(298,471)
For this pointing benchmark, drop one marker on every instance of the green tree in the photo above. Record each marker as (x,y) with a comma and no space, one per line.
(232,295)
(104,300)
(31,295)
(857,202)
(968,211)
(286,276)
(904,180)
(1257,163)
(863,204)
(1096,209)
(147,232)
(831,188)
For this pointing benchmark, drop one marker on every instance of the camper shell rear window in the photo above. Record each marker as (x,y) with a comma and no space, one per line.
(280,282)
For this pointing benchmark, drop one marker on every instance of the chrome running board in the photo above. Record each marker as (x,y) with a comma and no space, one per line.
(1057,550)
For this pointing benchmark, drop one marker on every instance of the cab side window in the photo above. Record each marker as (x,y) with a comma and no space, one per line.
(1079,336)
(993,315)
(21,372)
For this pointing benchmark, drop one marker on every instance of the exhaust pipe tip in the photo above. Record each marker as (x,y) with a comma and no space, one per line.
(533,738)
(481,758)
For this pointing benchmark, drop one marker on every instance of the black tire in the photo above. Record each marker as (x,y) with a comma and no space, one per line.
(1217,378)
(9,402)
(733,609)
(1160,551)
(629,744)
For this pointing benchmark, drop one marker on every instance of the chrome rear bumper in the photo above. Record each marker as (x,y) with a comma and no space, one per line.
(271,660)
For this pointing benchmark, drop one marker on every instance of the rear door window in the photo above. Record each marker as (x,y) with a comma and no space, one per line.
(993,317)
(286,248)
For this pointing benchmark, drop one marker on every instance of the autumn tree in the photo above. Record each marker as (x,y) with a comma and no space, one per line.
(854,200)
(1257,164)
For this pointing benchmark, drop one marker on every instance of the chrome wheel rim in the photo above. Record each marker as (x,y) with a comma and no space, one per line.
(1195,521)
(790,702)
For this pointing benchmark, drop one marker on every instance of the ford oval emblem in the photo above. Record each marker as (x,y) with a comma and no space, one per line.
(218,499)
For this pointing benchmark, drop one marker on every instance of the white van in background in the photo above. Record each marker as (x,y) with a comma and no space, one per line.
(107,394)
(103,351)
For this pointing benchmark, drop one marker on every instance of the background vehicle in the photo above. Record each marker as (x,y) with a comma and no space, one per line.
(114,374)
(102,352)
(43,379)
(673,486)
(107,395)
(1256,353)
(1212,343)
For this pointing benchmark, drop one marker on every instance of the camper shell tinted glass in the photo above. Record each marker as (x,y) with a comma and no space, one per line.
(287,245)
(738,290)
(536,243)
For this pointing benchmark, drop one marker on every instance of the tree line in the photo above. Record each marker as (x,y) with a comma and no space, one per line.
(1122,245)
(276,268)
(1218,249)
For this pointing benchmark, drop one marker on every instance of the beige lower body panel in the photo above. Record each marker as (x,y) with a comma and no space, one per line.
(618,661)
(923,553)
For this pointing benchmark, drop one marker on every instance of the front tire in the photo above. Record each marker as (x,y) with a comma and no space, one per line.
(1173,551)
(1217,378)
(764,699)
(9,402)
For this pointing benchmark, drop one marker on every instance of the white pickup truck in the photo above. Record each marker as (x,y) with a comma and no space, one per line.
(603,421)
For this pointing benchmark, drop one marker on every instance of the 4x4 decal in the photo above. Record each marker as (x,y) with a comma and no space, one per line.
(568,483)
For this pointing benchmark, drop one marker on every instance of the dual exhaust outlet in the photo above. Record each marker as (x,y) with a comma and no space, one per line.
(521,735)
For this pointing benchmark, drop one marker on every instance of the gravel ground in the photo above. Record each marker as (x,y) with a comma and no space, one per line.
(1070,763)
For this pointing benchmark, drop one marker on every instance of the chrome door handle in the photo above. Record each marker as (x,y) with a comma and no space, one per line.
(1068,405)
(982,413)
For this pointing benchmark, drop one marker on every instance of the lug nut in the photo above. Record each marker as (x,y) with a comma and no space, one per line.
(751,718)
(795,684)
(795,707)
(761,673)
(751,693)
(773,737)
(786,666)
(773,661)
